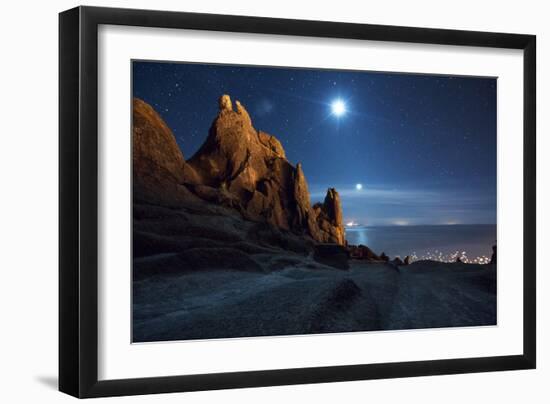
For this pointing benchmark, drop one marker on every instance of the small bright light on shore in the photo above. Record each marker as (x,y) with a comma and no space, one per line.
(338,107)
(359,187)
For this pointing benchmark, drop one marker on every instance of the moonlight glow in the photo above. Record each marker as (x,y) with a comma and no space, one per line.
(338,107)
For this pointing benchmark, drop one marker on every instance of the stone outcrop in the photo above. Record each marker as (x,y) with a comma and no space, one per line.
(329,223)
(238,167)
(362,252)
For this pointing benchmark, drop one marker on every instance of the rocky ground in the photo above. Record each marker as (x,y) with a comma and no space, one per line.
(205,273)
(301,300)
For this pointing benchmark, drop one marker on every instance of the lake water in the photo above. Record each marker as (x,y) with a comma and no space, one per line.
(441,243)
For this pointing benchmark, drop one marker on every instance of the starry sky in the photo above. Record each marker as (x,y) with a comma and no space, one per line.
(421,148)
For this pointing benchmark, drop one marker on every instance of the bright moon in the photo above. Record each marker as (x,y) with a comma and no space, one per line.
(359,187)
(338,107)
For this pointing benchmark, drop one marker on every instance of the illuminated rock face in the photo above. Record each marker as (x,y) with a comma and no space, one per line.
(237,166)
(158,164)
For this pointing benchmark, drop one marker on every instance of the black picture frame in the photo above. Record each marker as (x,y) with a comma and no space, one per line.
(78,201)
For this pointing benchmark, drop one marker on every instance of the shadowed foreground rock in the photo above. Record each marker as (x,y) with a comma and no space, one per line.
(363,252)
(333,255)
(301,300)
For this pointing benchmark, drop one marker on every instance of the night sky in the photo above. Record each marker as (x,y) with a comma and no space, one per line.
(422,147)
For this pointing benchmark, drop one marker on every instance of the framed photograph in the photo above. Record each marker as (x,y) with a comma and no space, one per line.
(251,202)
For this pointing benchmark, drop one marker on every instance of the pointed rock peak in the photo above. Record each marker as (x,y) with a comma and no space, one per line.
(230,116)
(240,108)
(225,103)
(331,192)
(333,206)
(242,111)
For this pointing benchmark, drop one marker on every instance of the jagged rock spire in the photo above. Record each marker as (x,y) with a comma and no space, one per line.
(329,219)
(334,207)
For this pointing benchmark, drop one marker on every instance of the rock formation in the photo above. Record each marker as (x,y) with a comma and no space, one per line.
(238,167)
(362,252)
(329,223)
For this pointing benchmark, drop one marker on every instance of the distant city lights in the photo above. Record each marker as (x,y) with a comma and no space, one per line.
(452,257)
